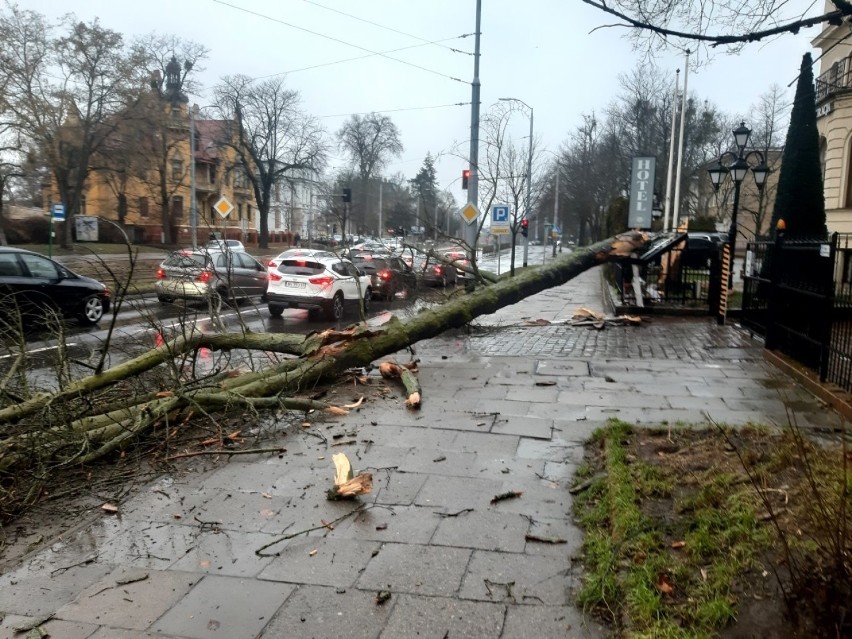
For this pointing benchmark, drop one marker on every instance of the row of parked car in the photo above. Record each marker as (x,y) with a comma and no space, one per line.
(317,280)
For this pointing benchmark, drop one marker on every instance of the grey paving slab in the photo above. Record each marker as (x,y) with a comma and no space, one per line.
(224,607)
(557,450)
(442,618)
(500,406)
(321,561)
(490,392)
(535,427)
(400,524)
(424,570)
(118,633)
(152,545)
(540,498)
(393,487)
(501,467)
(517,578)
(133,606)
(455,493)
(226,553)
(53,628)
(406,437)
(485,443)
(319,612)
(533,394)
(553,529)
(483,529)
(433,461)
(238,511)
(550,622)
(165,499)
(557,411)
(39,588)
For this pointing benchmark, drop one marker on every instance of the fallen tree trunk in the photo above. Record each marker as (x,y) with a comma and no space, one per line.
(316,358)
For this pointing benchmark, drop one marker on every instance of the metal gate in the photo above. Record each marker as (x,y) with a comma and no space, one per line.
(789,297)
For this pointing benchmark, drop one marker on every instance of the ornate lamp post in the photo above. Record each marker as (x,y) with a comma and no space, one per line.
(737,165)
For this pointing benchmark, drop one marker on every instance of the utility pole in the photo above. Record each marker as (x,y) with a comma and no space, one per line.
(473,181)
(529,186)
(671,154)
(675,217)
(555,209)
(193,209)
(381,222)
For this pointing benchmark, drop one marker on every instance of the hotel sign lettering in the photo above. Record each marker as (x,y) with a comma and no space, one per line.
(641,193)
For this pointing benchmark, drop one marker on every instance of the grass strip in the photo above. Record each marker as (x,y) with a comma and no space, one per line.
(670,574)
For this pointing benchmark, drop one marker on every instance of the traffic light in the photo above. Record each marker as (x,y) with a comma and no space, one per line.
(347,195)
(525,227)
(465,178)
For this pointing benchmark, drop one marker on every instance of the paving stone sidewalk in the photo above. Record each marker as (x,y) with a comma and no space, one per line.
(506,408)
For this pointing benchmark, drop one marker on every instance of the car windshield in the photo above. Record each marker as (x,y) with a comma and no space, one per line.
(372,264)
(300,267)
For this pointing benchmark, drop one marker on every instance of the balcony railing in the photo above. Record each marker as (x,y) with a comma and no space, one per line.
(835,80)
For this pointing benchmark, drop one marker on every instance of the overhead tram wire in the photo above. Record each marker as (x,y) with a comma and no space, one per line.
(423,108)
(338,40)
(360,57)
(381,26)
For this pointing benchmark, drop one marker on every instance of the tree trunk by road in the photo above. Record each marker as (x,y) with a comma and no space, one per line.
(82,422)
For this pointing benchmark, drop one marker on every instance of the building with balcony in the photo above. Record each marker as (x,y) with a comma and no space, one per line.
(834,121)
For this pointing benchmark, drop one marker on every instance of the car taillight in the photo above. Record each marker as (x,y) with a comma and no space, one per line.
(385,275)
(438,270)
(274,277)
(323,280)
(272,264)
(204,276)
(106,292)
(161,274)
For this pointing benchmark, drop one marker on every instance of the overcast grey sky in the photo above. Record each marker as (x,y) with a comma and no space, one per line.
(545,52)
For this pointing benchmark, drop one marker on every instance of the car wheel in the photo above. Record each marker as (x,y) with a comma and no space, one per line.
(335,310)
(275,310)
(165,299)
(443,281)
(368,298)
(93,310)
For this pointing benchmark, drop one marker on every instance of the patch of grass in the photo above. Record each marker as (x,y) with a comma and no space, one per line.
(635,578)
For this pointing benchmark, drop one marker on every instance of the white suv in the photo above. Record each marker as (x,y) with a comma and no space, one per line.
(317,283)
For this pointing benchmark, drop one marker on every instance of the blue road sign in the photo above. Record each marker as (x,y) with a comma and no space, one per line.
(556,229)
(58,211)
(500,214)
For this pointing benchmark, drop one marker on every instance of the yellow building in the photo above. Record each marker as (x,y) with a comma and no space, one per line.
(142,177)
(834,121)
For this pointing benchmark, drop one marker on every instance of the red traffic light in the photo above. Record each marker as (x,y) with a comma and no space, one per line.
(465,178)
(525,227)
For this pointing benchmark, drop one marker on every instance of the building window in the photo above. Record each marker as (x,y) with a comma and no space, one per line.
(143,207)
(211,173)
(176,113)
(248,213)
(177,207)
(239,212)
(177,169)
(83,205)
(277,218)
(849,175)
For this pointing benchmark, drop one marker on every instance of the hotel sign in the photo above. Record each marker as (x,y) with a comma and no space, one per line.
(641,193)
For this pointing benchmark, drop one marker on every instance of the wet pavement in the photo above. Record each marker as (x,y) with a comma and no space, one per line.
(506,409)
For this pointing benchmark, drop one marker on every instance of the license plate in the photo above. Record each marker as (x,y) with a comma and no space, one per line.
(294,284)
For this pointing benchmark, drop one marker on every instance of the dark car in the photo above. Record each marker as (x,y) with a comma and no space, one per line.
(210,275)
(459,258)
(389,275)
(431,272)
(701,249)
(32,284)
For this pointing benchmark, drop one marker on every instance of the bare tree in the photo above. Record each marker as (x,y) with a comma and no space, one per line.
(273,138)
(66,92)
(702,26)
(769,118)
(370,141)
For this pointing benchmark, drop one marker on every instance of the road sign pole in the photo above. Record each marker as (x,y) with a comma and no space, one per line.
(50,235)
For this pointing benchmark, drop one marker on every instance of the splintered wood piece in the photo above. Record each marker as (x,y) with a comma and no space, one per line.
(345,485)
(392,370)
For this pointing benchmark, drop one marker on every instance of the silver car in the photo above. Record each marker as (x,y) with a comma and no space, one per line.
(210,275)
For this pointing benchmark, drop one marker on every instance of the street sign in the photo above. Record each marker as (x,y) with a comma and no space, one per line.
(223,206)
(58,212)
(469,212)
(500,220)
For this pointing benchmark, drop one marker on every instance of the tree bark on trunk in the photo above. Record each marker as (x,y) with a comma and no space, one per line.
(318,357)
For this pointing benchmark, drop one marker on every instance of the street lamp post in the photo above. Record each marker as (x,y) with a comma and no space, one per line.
(737,166)
(529,172)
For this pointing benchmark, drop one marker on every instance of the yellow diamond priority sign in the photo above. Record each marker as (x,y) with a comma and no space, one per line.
(469,212)
(223,206)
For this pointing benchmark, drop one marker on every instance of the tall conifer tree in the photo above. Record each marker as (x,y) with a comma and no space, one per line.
(800,201)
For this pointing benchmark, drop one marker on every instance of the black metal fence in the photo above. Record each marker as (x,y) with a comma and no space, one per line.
(680,278)
(798,295)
